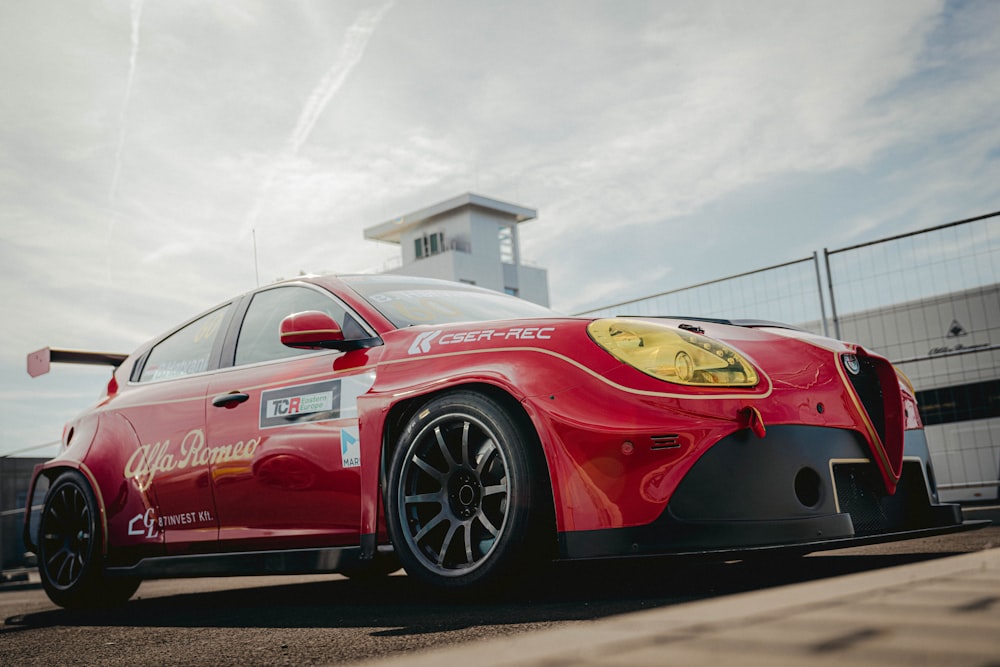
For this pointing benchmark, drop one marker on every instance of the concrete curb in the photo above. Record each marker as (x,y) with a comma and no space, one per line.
(20,579)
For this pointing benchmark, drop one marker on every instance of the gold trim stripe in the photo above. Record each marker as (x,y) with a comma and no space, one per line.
(427,357)
(873,436)
(588,371)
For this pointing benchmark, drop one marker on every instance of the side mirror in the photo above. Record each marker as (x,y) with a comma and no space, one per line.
(315,330)
(310,330)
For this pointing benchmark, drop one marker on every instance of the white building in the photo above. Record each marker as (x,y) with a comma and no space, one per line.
(469,238)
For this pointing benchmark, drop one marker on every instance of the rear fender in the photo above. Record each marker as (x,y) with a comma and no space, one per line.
(98,447)
(50,471)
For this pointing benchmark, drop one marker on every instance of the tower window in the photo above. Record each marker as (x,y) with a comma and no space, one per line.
(428,244)
(506,237)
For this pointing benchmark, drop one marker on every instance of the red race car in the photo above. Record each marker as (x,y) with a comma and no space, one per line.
(354,424)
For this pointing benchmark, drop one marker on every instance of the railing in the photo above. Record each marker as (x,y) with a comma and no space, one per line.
(787,292)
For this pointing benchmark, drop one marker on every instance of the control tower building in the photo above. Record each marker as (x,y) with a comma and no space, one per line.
(470,239)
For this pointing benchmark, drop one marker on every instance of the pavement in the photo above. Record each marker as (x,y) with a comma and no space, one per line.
(944,611)
(937,612)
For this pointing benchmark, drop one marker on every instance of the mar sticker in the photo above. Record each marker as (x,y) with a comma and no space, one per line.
(350,448)
(319,401)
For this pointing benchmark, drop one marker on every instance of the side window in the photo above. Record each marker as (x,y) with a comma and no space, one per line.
(185,351)
(259,338)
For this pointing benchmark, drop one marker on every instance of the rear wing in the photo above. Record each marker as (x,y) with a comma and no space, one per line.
(38,362)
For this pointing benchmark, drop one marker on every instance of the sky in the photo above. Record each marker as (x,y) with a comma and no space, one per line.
(160,156)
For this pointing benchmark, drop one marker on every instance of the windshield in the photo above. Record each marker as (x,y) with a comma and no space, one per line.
(409,301)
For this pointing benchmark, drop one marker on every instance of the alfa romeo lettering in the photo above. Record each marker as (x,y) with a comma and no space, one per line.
(150,460)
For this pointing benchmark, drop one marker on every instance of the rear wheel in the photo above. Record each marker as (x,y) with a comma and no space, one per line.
(466,493)
(69,548)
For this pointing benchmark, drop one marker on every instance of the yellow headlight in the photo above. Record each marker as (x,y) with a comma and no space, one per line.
(672,355)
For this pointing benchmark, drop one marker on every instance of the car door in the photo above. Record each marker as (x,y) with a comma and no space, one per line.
(165,407)
(283,430)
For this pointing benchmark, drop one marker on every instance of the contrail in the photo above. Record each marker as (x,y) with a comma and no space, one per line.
(348,58)
(351,53)
(136,13)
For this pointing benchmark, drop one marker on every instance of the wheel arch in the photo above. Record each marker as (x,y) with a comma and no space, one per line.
(401,412)
(53,470)
(96,447)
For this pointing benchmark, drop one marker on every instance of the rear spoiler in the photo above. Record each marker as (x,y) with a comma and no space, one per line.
(38,362)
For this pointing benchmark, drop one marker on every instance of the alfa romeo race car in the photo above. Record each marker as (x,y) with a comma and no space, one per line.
(357,423)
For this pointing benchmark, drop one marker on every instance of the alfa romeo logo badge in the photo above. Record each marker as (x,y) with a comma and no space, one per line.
(852,364)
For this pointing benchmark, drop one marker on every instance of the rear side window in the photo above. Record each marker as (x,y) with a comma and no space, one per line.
(187,350)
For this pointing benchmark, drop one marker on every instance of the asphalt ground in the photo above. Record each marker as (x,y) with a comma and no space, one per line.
(325,620)
(936,612)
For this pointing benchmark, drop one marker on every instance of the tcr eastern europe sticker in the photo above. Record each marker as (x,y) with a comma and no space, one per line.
(314,402)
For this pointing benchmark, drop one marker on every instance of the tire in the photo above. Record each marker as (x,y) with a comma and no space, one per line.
(467,496)
(69,548)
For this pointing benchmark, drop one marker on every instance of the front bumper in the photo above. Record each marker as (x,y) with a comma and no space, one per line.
(801,488)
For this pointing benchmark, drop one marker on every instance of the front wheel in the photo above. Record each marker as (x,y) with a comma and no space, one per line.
(467,493)
(69,548)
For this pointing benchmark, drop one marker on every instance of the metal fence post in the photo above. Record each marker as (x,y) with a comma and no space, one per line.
(833,300)
(819,290)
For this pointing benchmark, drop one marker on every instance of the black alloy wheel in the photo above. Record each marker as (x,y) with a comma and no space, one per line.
(465,492)
(69,548)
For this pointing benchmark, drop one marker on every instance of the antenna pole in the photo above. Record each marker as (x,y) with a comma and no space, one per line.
(256,266)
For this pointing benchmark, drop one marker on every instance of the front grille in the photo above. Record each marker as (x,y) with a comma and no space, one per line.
(861,493)
(868,388)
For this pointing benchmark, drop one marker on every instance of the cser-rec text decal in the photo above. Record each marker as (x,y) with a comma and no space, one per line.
(422,344)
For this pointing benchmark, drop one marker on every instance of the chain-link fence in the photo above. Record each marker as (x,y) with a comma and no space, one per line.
(789,292)
(930,301)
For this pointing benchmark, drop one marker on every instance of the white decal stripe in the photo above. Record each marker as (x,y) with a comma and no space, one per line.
(350,388)
(305,379)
